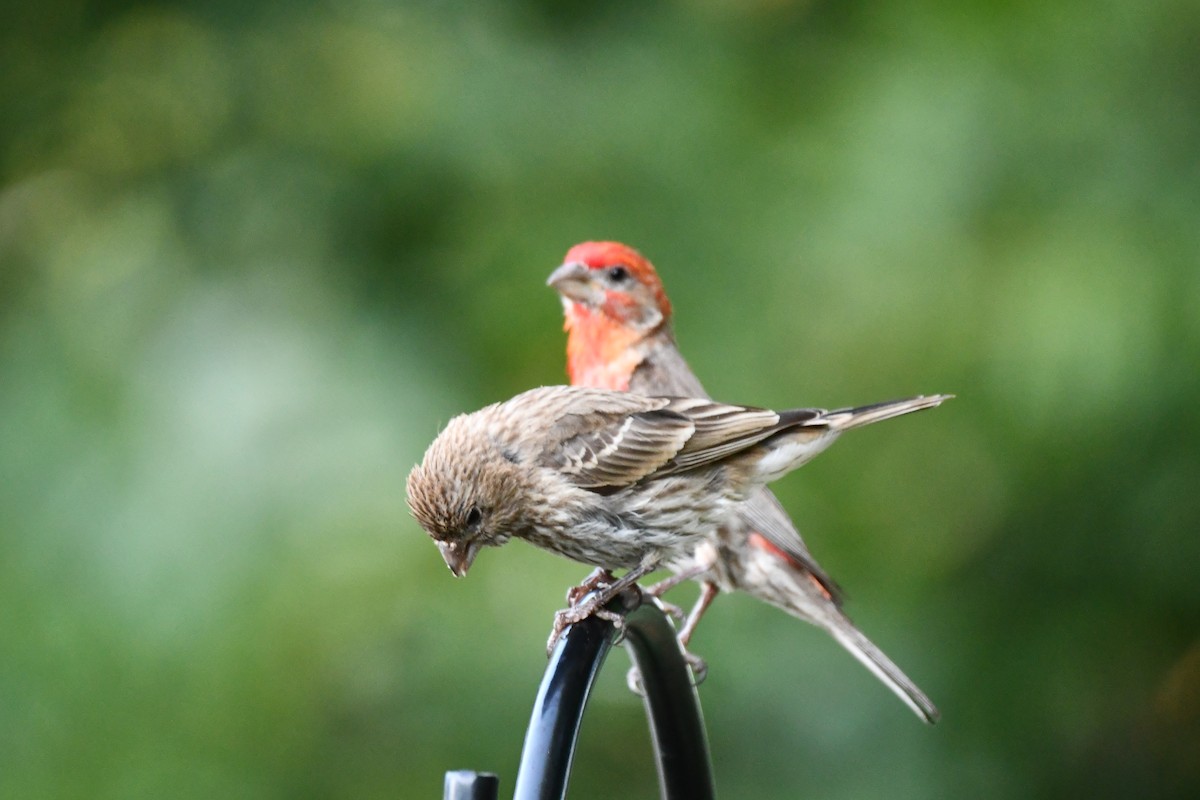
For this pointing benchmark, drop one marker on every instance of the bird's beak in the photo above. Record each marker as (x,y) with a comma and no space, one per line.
(573,280)
(458,556)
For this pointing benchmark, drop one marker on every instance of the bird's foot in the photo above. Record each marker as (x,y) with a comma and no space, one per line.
(594,594)
(633,679)
(599,579)
(657,590)
(579,611)
(670,609)
(698,666)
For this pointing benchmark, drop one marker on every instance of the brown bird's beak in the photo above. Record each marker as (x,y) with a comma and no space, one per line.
(458,556)
(573,280)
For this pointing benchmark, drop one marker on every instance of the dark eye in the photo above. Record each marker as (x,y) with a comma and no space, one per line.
(474,517)
(618,274)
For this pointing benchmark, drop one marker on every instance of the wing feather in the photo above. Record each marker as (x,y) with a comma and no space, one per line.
(607,440)
(613,449)
(724,430)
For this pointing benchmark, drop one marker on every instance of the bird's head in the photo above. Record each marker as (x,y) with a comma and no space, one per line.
(465,496)
(610,283)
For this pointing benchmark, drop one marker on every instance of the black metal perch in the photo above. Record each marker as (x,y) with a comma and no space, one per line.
(672,707)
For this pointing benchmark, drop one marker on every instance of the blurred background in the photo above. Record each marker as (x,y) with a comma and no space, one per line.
(252,256)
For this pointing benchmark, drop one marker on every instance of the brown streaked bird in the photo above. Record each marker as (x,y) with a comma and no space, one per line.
(614,479)
(618,320)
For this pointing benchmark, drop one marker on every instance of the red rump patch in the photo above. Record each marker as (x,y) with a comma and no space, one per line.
(756,539)
(761,542)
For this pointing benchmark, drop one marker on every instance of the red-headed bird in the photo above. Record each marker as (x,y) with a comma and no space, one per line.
(619,337)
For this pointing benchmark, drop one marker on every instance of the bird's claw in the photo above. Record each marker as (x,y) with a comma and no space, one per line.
(698,666)
(563,619)
(670,609)
(616,618)
(633,679)
(556,632)
(578,612)
(599,579)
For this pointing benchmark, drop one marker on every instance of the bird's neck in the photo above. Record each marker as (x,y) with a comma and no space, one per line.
(601,353)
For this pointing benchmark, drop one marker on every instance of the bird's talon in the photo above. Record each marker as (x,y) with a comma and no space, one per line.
(599,580)
(698,666)
(614,617)
(564,619)
(567,617)
(670,609)
(617,619)
(633,679)
(556,631)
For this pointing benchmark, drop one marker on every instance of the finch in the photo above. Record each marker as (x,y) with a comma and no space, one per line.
(612,479)
(619,337)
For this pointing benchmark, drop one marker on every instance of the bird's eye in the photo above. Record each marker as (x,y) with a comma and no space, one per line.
(618,274)
(474,517)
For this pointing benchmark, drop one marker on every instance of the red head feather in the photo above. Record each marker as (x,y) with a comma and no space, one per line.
(602,255)
(604,342)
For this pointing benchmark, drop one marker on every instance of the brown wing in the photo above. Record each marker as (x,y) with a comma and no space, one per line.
(723,430)
(605,449)
(666,372)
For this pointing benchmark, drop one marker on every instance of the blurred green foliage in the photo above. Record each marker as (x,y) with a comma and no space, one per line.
(252,255)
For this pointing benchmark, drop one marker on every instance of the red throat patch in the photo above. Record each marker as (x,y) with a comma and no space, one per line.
(601,353)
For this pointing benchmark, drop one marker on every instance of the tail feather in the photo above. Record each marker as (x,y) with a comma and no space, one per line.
(846,418)
(883,668)
(765,576)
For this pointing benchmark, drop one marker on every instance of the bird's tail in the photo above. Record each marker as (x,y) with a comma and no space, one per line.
(843,419)
(803,433)
(763,575)
(883,668)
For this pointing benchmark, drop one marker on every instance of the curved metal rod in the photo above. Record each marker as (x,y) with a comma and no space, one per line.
(673,708)
(463,784)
